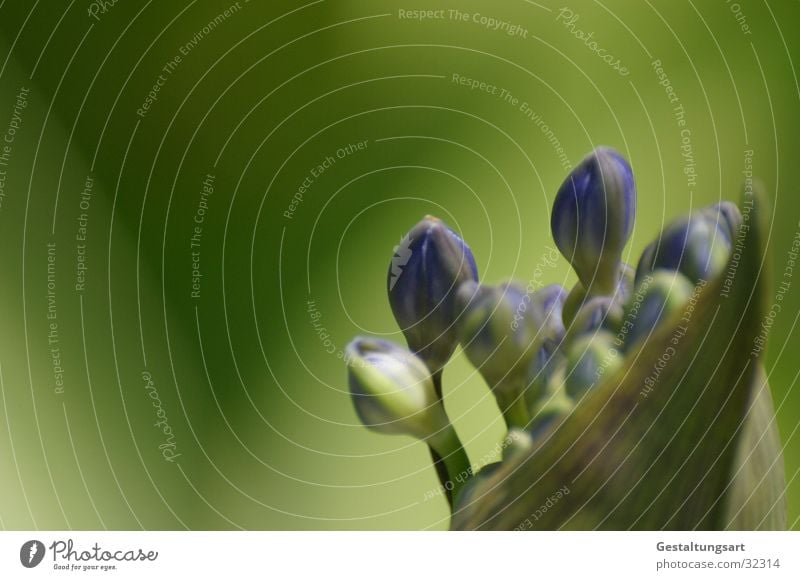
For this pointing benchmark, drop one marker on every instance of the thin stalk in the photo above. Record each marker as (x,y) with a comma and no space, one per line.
(438,463)
(449,458)
(457,467)
(512,404)
(437,382)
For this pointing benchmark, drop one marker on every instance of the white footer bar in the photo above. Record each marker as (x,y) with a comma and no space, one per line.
(401,555)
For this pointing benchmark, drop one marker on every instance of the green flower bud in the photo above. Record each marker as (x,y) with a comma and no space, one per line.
(578,295)
(500,336)
(392,390)
(589,359)
(518,441)
(498,330)
(545,369)
(658,296)
(554,408)
(393,393)
(596,313)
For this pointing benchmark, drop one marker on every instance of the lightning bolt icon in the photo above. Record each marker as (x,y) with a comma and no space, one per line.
(34,550)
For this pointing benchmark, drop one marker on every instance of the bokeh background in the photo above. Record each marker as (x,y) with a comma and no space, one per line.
(269,97)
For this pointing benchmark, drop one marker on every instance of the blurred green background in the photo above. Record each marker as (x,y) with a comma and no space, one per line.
(246,372)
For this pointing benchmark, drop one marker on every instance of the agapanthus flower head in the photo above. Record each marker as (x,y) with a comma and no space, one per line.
(429,265)
(581,378)
(698,247)
(392,390)
(593,217)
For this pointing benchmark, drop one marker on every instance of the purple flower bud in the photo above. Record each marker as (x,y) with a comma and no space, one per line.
(427,269)
(546,369)
(698,246)
(593,217)
(547,304)
(725,214)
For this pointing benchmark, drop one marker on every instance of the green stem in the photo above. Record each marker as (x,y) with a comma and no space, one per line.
(457,467)
(512,404)
(438,463)
(441,473)
(437,382)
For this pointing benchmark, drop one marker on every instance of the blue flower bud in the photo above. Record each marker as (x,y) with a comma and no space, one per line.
(727,216)
(392,390)
(500,336)
(547,304)
(545,374)
(597,312)
(697,247)
(625,283)
(657,297)
(593,217)
(428,266)
(498,330)
(578,296)
(589,359)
